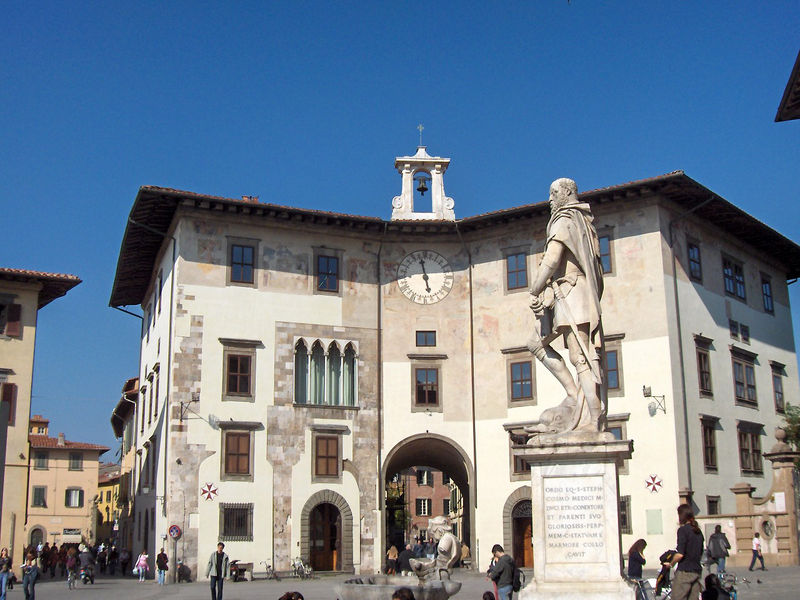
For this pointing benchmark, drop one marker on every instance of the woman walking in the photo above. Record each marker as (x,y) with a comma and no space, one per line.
(686,583)
(141,565)
(162,566)
(30,573)
(636,562)
(5,572)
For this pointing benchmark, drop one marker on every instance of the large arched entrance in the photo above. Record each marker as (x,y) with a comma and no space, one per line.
(518,526)
(325,523)
(424,476)
(37,536)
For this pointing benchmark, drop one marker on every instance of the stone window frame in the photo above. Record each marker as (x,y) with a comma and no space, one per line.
(245,537)
(736,285)
(80,498)
(247,242)
(37,464)
(747,361)
(239,347)
(525,251)
(733,329)
(237,427)
(750,432)
(709,424)
(336,253)
(426,364)
(613,343)
(767,295)
(325,344)
(427,511)
(704,346)
(620,420)
(778,373)
(338,432)
(518,469)
(693,243)
(43,490)
(713,505)
(424,335)
(514,355)
(625,513)
(607,232)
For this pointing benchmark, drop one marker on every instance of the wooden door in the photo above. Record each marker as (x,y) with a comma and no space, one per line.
(326,531)
(522,530)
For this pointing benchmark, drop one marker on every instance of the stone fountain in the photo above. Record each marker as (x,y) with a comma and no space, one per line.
(432,580)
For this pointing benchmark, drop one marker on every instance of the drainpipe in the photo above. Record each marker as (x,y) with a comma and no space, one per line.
(380,507)
(680,333)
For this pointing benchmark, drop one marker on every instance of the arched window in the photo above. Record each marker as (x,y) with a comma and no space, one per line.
(349,376)
(300,373)
(317,374)
(334,374)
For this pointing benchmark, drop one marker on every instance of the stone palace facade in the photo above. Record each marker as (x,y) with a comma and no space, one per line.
(292,361)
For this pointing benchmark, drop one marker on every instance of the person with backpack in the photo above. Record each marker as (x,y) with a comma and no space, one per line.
(686,583)
(502,572)
(718,546)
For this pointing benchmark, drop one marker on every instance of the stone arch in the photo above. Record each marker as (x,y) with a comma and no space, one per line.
(515,497)
(339,502)
(42,534)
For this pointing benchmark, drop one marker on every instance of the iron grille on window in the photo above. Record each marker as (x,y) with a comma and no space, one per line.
(236,522)
(625,515)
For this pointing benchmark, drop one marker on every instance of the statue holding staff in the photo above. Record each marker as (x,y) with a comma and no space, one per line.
(565,298)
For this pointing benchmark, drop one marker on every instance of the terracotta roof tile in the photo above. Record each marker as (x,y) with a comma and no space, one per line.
(54,285)
(45,441)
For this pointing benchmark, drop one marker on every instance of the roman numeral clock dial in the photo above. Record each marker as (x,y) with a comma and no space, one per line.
(425,277)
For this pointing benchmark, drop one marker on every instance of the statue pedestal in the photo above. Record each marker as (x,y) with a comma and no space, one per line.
(575,502)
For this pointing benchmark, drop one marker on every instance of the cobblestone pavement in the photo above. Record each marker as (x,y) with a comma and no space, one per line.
(777,583)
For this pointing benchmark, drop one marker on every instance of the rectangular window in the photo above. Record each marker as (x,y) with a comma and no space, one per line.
(516,271)
(445,479)
(766,295)
(424,477)
(733,274)
(519,466)
(733,326)
(8,395)
(616,431)
(605,253)
(750,449)
(521,380)
(326,456)
(744,331)
(327,273)
(40,460)
(426,338)
(236,522)
(445,506)
(238,376)
(625,515)
(39,498)
(427,389)
(744,379)
(695,268)
(159,290)
(237,453)
(76,461)
(242,263)
(108,496)
(11,320)
(712,505)
(777,391)
(704,372)
(73,498)
(423,507)
(709,444)
(612,369)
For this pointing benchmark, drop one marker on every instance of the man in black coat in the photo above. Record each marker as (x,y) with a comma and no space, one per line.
(403,564)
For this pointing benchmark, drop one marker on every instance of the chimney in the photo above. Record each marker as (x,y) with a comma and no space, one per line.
(61,441)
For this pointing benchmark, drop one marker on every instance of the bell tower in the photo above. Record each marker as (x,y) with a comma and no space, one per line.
(422,169)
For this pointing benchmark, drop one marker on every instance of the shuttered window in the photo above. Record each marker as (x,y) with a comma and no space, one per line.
(10,316)
(326,460)
(8,394)
(237,453)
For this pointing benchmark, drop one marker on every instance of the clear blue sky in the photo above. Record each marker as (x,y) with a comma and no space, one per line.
(308,103)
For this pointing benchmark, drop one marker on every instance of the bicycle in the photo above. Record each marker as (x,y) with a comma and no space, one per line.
(728,583)
(271,574)
(302,570)
(645,591)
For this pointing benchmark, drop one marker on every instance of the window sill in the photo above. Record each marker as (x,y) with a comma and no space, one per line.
(421,408)
(326,406)
(747,404)
(752,473)
(236,477)
(519,402)
(711,470)
(237,398)
(706,394)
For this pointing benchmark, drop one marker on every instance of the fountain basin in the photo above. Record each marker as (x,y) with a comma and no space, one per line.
(381,587)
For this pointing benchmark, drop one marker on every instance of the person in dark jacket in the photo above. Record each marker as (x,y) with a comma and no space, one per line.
(718,546)
(686,583)
(502,572)
(218,569)
(5,572)
(162,566)
(403,560)
(636,559)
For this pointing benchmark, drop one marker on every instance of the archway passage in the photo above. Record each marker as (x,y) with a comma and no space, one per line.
(522,526)
(416,473)
(37,536)
(325,523)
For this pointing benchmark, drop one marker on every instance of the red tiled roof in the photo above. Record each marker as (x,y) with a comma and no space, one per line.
(54,285)
(45,441)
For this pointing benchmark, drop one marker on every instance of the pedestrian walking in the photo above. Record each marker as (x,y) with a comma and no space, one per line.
(30,573)
(5,572)
(218,569)
(162,566)
(686,583)
(141,565)
(125,561)
(757,555)
(391,560)
(502,572)
(718,546)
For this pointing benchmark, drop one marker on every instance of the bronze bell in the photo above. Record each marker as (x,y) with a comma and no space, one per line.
(423,184)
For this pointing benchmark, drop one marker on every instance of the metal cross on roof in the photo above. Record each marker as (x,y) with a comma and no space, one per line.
(420,127)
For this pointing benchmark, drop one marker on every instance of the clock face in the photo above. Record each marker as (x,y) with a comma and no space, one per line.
(425,277)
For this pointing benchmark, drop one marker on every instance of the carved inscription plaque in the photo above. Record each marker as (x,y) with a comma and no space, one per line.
(574,519)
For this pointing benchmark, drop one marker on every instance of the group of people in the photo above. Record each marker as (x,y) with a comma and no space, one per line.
(399,562)
(688,556)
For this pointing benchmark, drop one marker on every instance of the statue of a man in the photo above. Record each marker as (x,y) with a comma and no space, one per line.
(565,298)
(448,551)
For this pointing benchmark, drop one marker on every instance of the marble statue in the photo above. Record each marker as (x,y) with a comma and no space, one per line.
(448,551)
(565,299)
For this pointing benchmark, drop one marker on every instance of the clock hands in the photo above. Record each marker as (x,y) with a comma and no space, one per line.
(425,276)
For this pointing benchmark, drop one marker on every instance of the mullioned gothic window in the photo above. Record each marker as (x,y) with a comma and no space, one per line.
(324,374)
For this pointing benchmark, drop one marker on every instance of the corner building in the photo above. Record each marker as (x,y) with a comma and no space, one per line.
(294,360)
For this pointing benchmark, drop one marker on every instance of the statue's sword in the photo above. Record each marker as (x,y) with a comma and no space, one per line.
(559,296)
